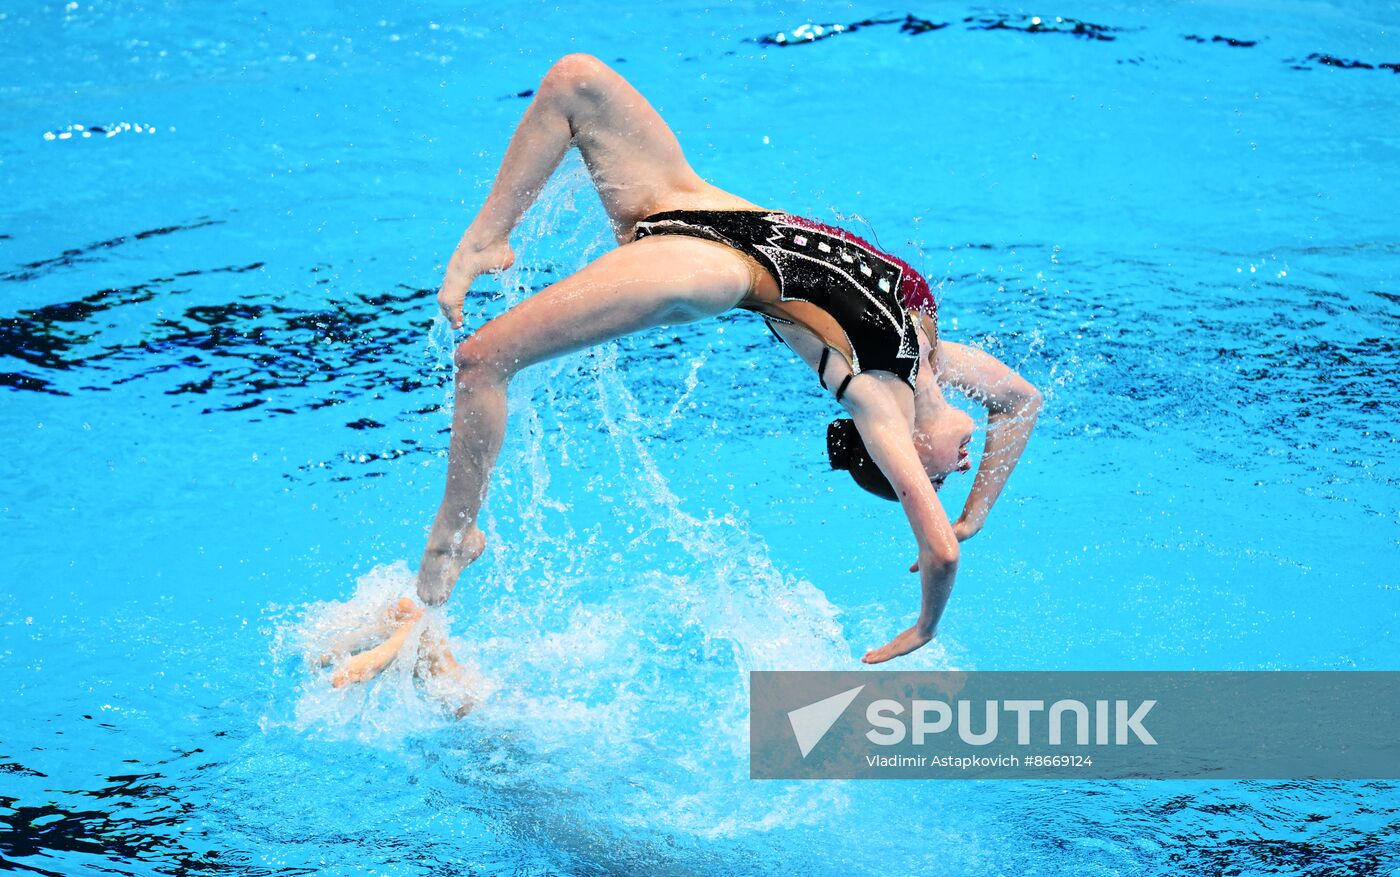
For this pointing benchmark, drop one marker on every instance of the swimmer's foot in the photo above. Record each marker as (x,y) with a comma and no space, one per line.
(911,640)
(467,264)
(441,567)
(367,665)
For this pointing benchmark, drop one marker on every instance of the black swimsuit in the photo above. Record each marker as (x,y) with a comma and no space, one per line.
(868,293)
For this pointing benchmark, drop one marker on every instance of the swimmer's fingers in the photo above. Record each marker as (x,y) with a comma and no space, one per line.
(367,665)
(404,611)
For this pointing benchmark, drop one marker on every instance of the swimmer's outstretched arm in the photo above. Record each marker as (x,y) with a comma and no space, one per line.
(369,664)
(379,627)
(885,429)
(1012,408)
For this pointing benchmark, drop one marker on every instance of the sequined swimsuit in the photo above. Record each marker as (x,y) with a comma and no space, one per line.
(869,293)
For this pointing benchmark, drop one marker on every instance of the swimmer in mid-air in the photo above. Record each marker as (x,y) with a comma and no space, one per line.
(863,320)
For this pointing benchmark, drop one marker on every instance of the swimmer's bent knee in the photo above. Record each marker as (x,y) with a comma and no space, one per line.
(575,73)
(479,357)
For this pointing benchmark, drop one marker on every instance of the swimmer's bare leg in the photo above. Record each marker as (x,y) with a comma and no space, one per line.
(658,280)
(633,157)
(369,664)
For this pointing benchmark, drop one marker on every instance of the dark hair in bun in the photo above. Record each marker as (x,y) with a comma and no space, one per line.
(846,450)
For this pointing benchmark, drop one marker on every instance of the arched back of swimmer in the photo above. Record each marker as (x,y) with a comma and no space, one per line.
(863,320)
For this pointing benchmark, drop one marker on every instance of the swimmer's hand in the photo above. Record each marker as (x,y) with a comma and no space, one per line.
(910,640)
(964,529)
(468,263)
(369,664)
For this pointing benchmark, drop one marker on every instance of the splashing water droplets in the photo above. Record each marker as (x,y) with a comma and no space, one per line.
(604,610)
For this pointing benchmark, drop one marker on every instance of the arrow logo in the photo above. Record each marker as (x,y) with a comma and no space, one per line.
(810,723)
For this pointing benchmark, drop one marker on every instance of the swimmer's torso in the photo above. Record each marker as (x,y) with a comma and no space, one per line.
(829,282)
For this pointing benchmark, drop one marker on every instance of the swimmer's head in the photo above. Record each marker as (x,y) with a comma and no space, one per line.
(941,440)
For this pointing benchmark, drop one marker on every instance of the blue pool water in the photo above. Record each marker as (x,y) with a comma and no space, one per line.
(223,403)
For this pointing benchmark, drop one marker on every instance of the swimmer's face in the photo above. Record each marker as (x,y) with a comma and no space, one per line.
(942,441)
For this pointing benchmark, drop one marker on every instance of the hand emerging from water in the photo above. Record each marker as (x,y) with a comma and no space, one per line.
(400,619)
(434,662)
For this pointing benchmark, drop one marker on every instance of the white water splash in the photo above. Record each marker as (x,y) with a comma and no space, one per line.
(400,701)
